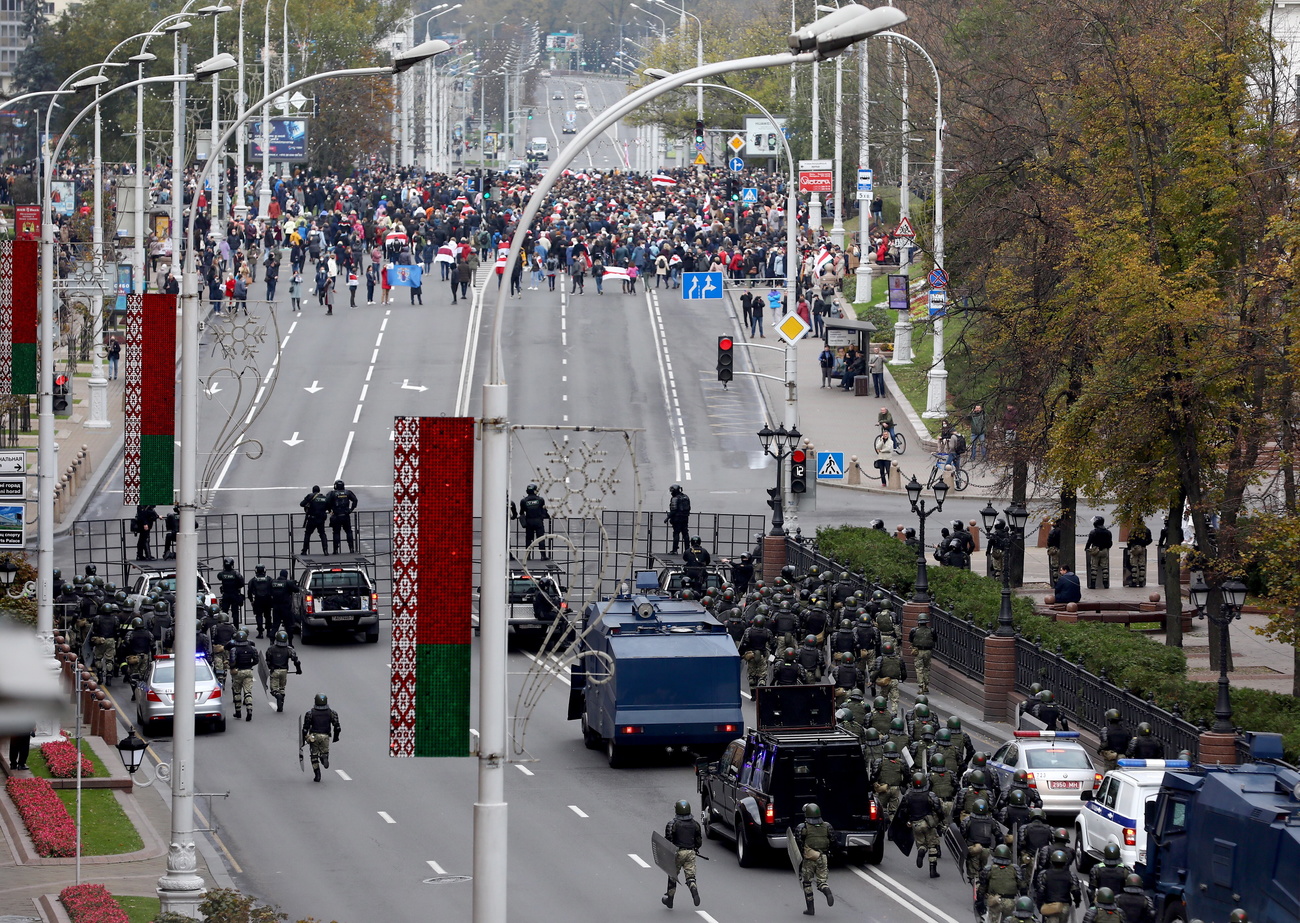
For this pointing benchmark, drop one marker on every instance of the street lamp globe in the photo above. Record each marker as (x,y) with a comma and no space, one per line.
(1234,593)
(765,436)
(913,489)
(8,571)
(940,492)
(990,516)
(1198,592)
(1017,516)
(132,752)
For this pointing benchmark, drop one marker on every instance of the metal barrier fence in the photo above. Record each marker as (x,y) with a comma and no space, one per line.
(1087,697)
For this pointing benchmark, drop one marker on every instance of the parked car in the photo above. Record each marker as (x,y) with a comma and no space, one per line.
(146,580)
(1115,812)
(154,704)
(1059,767)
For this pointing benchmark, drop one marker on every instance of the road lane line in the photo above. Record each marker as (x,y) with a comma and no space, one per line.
(524,769)
(364,390)
(577,810)
(383,325)
(436,867)
(347,447)
(379,339)
(638,860)
(292,328)
(370,371)
(387,817)
(374,356)
(343,775)
(913,895)
(357,416)
(704,915)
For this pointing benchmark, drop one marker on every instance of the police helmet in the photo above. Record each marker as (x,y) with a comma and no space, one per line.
(896,725)
(1017,797)
(1003,852)
(921,699)
(844,575)
(956,523)
(338,485)
(864,619)
(922,710)
(943,735)
(675,489)
(109,607)
(137,623)
(1144,729)
(938,762)
(110,589)
(887,647)
(954,724)
(927,731)
(1047,696)
(1185,756)
(845,623)
(683,808)
(1038,814)
(871,734)
(282,637)
(91,570)
(1024,907)
(241,635)
(979,778)
(530,490)
(788,572)
(198,624)
(746,558)
(695,539)
(759,621)
(146,604)
(1060,835)
(980,807)
(880,703)
(763,609)
(789,653)
(843,715)
(856,695)
(1034,689)
(1237,916)
(979,759)
(57,573)
(1133,881)
(322,699)
(909,532)
(811,811)
(227,562)
(1098,522)
(810,639)
(1020,777)
(999,526)
(891,747)
(1112,714)
(223,616)
(878,524)
(260,570)
(1104,895)
(1110,855)
(918,780)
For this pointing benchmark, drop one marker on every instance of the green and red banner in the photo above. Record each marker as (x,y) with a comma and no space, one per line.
(433,549)
(19,275)
(149,452)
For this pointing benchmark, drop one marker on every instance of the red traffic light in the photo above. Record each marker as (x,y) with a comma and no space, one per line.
(798,456)
(60,380)
(724,342)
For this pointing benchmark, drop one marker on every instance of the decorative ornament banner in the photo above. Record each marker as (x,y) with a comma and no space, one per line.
(149,455)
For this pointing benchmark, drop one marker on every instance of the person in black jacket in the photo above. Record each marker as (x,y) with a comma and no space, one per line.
(315,507)
(684,832)
(317,724)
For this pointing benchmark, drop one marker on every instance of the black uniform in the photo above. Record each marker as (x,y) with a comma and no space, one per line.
(697,559)
(315,507)
(341,504)
(283,589)
(259,594)
(173,525)
(533,513)
(232,593)
(142,526)
(1145,747)
(742,575)
(679,517)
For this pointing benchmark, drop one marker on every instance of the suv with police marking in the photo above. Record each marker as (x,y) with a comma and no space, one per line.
(1114,813)
(757,790)
(336,594)
(1058,765)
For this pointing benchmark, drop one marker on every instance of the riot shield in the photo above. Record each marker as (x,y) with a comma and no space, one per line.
(664,854)
(265,679)
(900,831)
(956,843)
(793,852)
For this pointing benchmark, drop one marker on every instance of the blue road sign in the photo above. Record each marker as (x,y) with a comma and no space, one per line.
(702,286)
(749,194)
(736,164)
(830,466)
(938,278)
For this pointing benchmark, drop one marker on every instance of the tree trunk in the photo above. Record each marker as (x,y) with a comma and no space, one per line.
(1173,585)
(1068,524)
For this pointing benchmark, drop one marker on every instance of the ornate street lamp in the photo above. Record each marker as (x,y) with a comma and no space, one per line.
(921,590)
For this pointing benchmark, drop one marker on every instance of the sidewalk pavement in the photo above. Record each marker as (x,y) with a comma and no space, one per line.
(837,421)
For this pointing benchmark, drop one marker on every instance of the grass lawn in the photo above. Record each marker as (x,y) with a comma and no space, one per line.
(139,909)
(37,762)
(105,829)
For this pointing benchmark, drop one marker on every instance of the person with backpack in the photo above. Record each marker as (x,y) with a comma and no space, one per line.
(315,507)
(552,268)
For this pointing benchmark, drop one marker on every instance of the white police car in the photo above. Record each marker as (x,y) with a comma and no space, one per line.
(1115,812)
(1058,766)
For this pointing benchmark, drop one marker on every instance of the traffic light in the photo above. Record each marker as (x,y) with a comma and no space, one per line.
(699,134)
(487,185)
(725,346)
(774,498)
(733,190)
(61,392)
(530,115)
(798,471)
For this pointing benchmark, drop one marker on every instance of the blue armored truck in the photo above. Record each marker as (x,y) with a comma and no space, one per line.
(652,674)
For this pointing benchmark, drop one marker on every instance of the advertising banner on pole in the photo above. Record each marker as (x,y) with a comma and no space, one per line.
(288,140)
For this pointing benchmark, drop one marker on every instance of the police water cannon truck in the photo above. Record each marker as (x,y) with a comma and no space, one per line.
(654,673)
(1222,838)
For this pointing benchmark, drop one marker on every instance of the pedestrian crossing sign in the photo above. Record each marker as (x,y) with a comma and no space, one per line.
(830,466)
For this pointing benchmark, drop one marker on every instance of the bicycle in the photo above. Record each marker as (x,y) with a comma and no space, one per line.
(900,441)
(960,479)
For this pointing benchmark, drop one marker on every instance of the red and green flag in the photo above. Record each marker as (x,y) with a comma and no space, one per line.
(19,274)
(433,548)
(149,453)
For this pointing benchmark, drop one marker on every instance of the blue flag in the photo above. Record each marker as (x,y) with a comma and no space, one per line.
(400,275)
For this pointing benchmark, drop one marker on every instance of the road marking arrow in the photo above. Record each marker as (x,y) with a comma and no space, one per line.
(294,441)
(212,389)
(410,387)
(315,386)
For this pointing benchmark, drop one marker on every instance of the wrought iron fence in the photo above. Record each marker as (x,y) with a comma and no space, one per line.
(1087,697)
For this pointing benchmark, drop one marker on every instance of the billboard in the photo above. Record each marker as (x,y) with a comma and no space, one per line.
(288,139)
(761,136)
(64,195)
(563,41)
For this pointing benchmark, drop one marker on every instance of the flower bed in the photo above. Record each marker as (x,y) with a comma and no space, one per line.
(61,758)
(91,904)
(51,827)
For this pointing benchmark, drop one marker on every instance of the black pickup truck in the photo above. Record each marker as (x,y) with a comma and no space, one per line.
(336,594)
(757,791)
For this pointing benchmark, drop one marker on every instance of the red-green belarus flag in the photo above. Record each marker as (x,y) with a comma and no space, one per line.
(149,453)
(433,547)
(19,274)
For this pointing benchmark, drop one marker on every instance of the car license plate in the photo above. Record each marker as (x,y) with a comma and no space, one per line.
(1053,783)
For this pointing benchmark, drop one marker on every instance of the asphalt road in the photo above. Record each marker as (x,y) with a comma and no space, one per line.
(388,839)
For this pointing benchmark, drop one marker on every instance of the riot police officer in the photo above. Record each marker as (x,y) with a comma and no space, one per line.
(1134,902)
(999,545)
(1109,873)
(534,515)
(846,675)
(1056,889)
(1097,548)
(172,528)
(1105,910)
(232,590)
(697,559)
(259,594)
(922,638)
(283,589)
(683,832)
(814,837)
(146,517)
(139,651)
(742,573)
(943,783)
(1034,837)
(924,811)
(1048,713)
(975,789)
(679,516)
(1020,783)
(889,774)
(788,672)
(1135,574)
(1114,740)
(1000,883)
(103,637)
(244,657)
(278,657)
(755,646)
(1054,548)
(222,635)
(888,673)
(980,832)
(341,504)
(317,724)
(1145,747)
(1060,840)
(811,658)
(315,508)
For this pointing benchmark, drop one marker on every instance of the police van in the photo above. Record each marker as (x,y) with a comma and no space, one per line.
(1114,812)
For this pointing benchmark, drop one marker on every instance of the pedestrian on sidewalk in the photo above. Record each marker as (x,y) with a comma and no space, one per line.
(979,446)
(295,291)
(884,460)
(827,362)
(114,354)
(747,308)
(877,367)
(756,317)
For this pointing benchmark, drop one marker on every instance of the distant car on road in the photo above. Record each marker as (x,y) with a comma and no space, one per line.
(581,105)
(1058,765)
(154,704)
(557,96)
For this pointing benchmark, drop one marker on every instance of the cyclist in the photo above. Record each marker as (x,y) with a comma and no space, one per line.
(886,422)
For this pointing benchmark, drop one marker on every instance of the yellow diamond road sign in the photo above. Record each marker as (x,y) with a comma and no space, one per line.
(737,143)
(792,327)
(699,159)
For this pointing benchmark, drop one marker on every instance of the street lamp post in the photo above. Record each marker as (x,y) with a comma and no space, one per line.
(1233,598)
(862,295)
(1017,516)
(778,443)
(921,591)
(822,39)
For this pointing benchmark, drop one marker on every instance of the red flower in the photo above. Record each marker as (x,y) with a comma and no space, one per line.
(91,904)
(52,829)
(61,758)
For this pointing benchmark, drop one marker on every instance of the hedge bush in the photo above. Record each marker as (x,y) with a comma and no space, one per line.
(1129,658)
